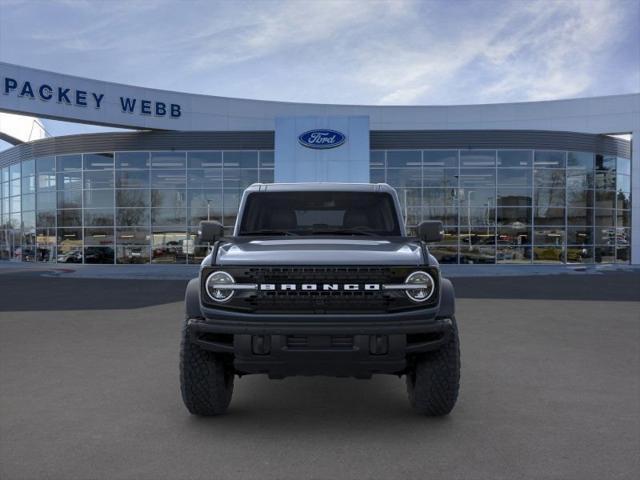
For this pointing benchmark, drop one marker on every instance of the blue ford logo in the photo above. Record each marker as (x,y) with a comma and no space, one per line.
(322,138)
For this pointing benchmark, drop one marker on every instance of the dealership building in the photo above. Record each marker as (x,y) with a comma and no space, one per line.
(514,183)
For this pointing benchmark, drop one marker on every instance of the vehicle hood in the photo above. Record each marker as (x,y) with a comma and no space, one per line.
(315,251)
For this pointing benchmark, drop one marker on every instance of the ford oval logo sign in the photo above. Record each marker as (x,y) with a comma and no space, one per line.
(322,138)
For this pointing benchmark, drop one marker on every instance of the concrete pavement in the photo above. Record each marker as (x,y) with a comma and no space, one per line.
(550,389)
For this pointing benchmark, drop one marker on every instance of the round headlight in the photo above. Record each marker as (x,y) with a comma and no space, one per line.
(426,289)
(215,286)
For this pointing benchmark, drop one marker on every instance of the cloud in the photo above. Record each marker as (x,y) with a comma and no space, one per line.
(533,51)
(554,54)
(268,31)
(404,95)
(338,51)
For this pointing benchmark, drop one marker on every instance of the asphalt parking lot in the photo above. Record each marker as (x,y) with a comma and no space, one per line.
(550,389)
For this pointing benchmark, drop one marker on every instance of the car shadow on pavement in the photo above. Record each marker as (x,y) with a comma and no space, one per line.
(296,405)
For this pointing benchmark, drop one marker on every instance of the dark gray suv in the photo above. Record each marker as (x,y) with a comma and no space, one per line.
(319,279)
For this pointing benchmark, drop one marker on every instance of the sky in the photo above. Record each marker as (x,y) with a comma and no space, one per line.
(395,52)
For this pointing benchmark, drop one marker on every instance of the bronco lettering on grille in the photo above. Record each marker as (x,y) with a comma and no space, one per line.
(326,287)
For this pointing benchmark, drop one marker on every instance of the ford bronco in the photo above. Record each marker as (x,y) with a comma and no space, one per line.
(319,279)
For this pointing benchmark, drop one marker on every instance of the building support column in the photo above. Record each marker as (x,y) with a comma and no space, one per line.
(635,197)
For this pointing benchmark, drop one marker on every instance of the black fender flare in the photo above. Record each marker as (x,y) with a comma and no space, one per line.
(192,299)
(447,299)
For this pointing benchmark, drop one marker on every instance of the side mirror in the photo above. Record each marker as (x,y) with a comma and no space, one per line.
(209,232)
(430,231)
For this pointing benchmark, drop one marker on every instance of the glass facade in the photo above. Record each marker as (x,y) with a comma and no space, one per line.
(515,206)
(497,206)
(122,207)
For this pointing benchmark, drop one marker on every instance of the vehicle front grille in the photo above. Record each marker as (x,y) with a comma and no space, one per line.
(319,301)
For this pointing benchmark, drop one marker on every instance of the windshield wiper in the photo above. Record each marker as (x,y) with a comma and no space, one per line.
(344,231)
(267,231)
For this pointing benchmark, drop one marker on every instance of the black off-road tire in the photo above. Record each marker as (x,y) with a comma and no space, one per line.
(434,380)
(206,380)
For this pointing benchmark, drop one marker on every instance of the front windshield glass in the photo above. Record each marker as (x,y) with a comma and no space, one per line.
(318,213)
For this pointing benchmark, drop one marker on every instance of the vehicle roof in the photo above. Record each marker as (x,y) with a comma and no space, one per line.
(320,187)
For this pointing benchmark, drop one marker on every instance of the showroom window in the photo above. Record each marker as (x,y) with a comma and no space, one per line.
(497,206)
(122,207)
(515,206)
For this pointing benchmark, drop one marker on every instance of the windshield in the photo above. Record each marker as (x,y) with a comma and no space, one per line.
(317,213)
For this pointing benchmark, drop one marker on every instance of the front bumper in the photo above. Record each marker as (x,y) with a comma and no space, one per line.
(303,345)
(414,321)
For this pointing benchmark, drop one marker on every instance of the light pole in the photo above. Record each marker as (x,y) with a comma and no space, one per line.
(487,214)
